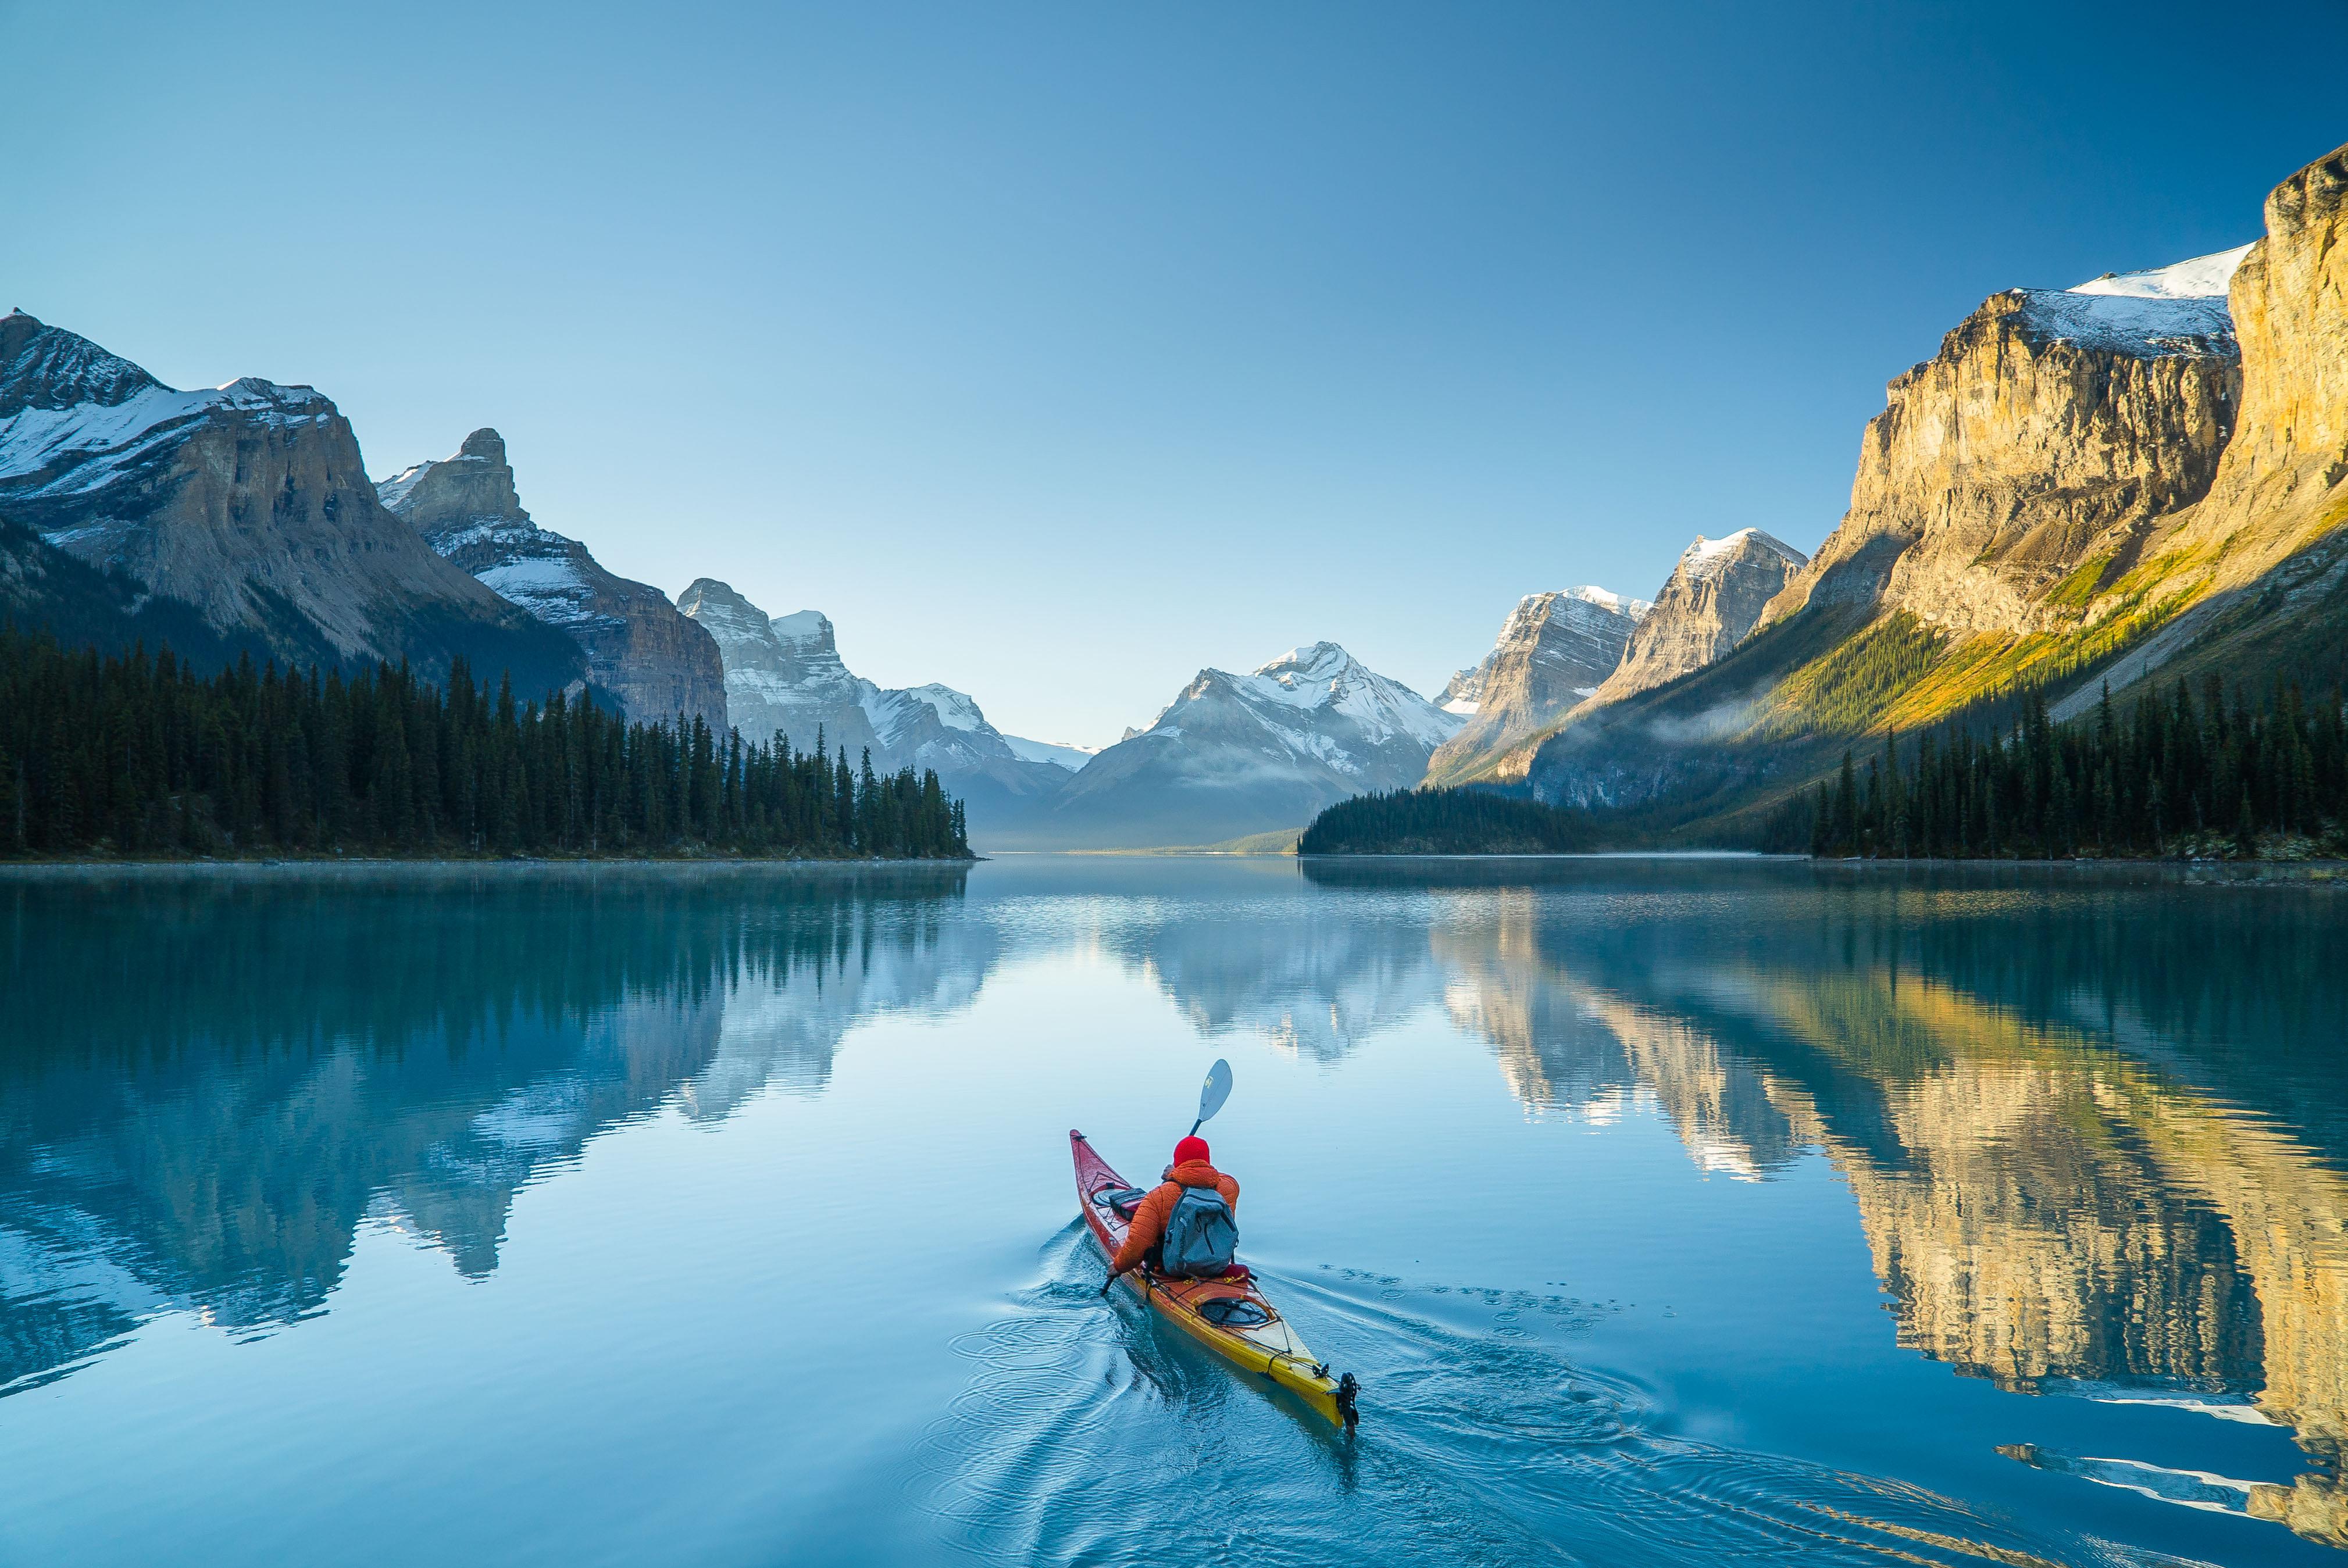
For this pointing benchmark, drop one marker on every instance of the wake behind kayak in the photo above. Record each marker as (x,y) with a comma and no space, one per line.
(1230,1316)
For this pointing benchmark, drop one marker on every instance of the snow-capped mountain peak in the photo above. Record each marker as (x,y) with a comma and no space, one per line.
(2179,309)
(74,417)
(807,627)
(955,710)
(1607,599)
(1235,754)
(1312,662)
(1552,652)
(1709,557)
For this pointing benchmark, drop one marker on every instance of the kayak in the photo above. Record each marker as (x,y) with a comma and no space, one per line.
(1229,1316)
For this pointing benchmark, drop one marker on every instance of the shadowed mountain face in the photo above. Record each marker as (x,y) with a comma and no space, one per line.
(1553,653)
(213,1134)
(656,662)
(246,507)
(785,678)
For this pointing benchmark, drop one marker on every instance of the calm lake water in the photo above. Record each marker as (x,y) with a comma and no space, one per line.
(1668,1211)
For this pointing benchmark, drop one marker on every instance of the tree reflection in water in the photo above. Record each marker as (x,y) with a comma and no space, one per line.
(205,1087)
(2095,1137)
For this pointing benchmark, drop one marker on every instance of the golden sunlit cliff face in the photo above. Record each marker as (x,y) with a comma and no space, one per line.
(2263,556)
(2042,1208)
(2044,501)
(2011,458)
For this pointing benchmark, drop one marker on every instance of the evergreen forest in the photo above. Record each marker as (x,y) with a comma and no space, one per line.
(137,755)
(1446,822)
(2175,772)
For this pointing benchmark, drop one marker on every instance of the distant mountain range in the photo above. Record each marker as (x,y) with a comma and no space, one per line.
(1238,755)
(784,677)
(2135,478)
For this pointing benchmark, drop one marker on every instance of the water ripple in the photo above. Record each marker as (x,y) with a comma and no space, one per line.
(1092,1433)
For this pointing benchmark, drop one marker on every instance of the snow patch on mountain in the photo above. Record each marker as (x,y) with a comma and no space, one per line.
(2144,327)
(551,588)
(1060,754)
(807,626)
(88,444)
(1464,693)
(1606,598)
(1323,675)
(2176,309)
(2200,278)
(955,710)
(1709,557)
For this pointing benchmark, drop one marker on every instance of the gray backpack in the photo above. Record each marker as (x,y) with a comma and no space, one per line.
(1201,1235)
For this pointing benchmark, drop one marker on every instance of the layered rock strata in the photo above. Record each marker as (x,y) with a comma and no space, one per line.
(657,663)
(1715,597)
(1553,652)
(248,503)
(2050,432)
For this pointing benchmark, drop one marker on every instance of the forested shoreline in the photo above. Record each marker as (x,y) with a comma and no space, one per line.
(136,756)
(2175,773)
(1447,822)
(2226,772)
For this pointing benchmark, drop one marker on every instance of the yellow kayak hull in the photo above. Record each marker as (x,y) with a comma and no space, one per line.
(1271,1349)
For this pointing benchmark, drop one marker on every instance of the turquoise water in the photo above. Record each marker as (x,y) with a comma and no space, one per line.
(1668,1211)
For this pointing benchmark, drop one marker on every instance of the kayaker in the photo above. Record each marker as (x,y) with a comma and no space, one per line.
(1145,1239)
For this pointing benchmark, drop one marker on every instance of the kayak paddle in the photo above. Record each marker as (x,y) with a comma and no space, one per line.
(1211,1095)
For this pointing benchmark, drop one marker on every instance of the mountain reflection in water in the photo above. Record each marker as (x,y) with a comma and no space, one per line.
(205,1086)
(2094,1130)
(2096,1141)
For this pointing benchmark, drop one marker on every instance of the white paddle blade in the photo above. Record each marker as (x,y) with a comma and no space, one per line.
(1217,1090)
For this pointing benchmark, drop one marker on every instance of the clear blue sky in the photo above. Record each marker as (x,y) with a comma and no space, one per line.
(1057,351)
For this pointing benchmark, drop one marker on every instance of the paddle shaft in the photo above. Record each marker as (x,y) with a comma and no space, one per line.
(1217,1090)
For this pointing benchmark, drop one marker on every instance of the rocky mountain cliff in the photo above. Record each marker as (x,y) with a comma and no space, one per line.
(247,503)
(657,662)
(1553,652)
(1235,756)
(2140,476)
(2050,430)
(1713,601)
(2253,579)
(783,676)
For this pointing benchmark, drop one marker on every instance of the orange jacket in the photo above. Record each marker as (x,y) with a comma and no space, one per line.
(1150,1214)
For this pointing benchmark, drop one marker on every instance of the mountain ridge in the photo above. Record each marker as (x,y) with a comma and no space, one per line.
(657,662)
(2039,505)
(249,503)
(1233,756)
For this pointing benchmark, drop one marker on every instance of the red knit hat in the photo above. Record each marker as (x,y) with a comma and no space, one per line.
(1189,1149)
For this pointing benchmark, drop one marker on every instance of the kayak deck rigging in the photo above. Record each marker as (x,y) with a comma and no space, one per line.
(1230,1316)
